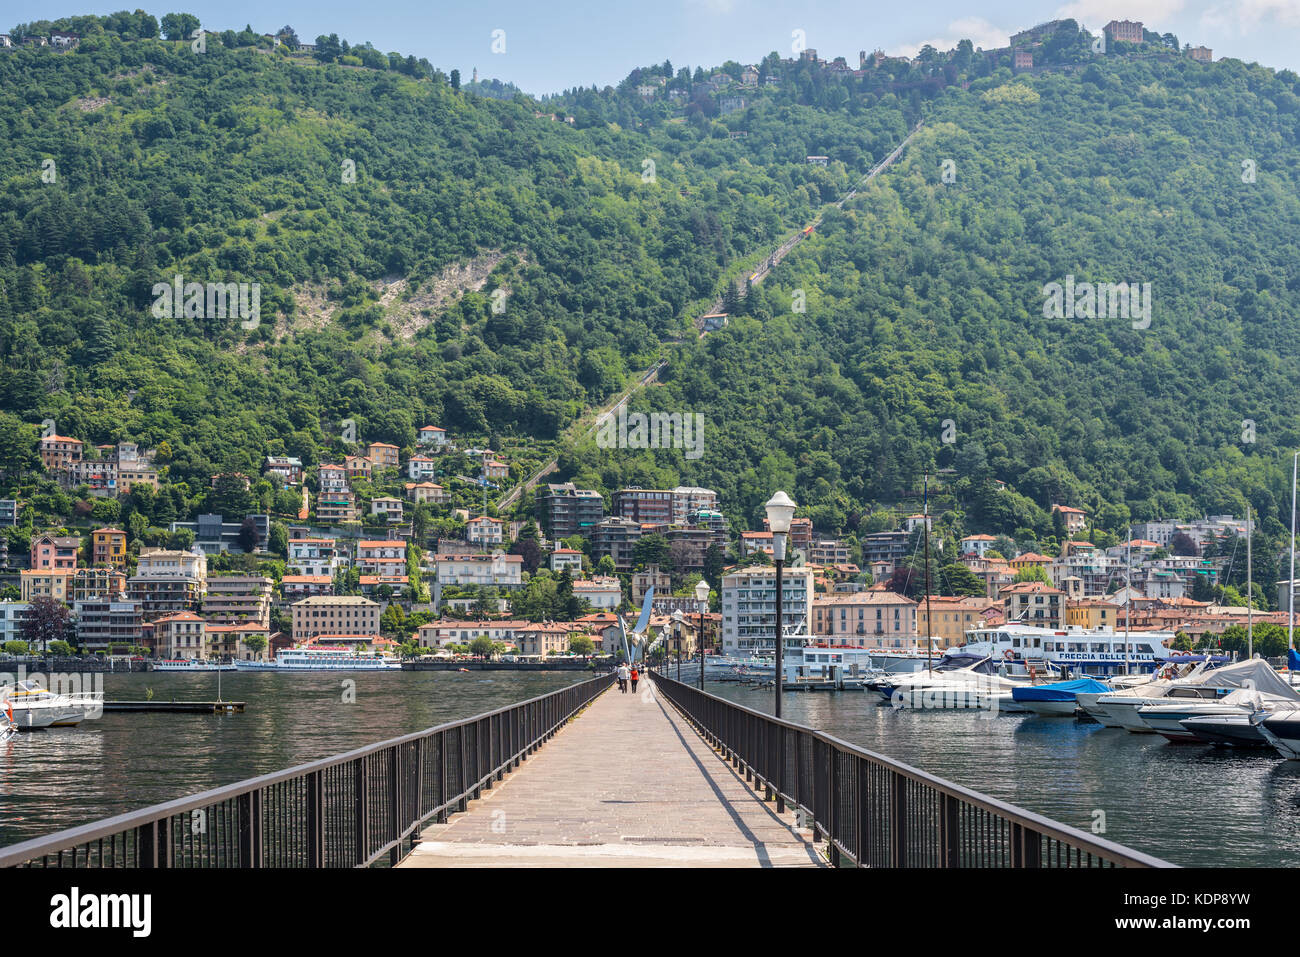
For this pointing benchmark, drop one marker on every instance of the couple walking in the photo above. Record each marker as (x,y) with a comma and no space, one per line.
(625,675)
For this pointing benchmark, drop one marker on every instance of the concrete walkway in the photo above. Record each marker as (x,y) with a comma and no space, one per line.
(627,784)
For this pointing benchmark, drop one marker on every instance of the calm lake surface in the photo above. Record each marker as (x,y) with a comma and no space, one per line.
(61,777)
(1188,804)
(1191,805)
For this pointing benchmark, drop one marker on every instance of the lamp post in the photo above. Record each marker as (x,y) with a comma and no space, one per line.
(780,511)
(677,639)
(702,597)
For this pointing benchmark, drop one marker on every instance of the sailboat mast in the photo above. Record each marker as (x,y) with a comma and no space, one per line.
(1128,598)
(929,622)
(1250,591)
(1290,603)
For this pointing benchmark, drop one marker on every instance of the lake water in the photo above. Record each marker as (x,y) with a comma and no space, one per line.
(1191,805)
(1188,804)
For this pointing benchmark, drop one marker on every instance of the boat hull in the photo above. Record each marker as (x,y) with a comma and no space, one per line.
(1283,734)
(1226,730)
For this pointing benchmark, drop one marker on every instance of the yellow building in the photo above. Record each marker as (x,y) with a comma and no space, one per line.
(1091,613)
(46,583)
(108,547)
(954,616)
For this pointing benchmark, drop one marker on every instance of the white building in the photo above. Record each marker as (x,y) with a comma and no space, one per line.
(420,467)
(484,530)
(12,614)
(499,569)
(316,556)
(605,594)
(749,607)
(433,436)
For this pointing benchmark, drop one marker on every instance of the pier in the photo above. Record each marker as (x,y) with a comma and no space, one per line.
(177,707)
(670,776)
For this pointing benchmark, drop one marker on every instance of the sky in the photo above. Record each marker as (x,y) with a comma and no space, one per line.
(545,47)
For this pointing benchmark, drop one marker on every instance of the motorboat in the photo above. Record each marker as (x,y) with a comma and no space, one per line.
(1170,719)
(1234,727)
(1282,730)
(957,681)
(1057,698)
(1087,700)
(34,707)
(1200,686)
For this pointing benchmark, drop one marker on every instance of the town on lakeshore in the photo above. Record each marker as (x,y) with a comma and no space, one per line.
(388,552)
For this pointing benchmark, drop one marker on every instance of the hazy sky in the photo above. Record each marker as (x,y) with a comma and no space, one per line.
(550,46)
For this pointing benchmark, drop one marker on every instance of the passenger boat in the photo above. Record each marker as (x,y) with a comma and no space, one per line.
(1084,651)
(31,706)
(191,664)
(322,659)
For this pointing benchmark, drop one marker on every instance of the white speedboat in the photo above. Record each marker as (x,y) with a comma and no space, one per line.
(35,707)
(190,664)
(1282,730)
(1229,729)
(1170,720)
(323,659)
(1201,686)
(956,681)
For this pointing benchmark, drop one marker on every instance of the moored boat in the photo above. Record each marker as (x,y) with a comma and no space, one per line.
(1058,698)
(322,659)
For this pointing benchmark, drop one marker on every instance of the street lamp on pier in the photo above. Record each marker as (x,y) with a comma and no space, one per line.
(702,597)
(780,512)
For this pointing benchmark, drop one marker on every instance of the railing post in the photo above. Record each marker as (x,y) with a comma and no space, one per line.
(154,843)
(250,828)
(315,819)
(395,802)
(949,831)
(1025,846)
(864,812)
(833,806)
(463,804)
(897,820)
(441,817)
(361,795)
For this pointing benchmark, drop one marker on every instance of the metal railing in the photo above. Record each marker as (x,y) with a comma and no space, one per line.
(876,812)
(346,811)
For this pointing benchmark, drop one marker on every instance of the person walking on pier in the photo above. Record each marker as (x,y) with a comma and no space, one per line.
(635,675)
(623,676)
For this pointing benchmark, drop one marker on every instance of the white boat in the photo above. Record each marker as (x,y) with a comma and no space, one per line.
(1057,698)
(1235,729)
(1201,685)
(35,707)
(956,681)
(1084,651)
(322,659)
(1170,719)
(190,664)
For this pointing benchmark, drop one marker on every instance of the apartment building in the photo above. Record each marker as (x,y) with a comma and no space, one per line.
(98,582)
(866,619)
(947,618)
(12,616)
(10,511)
(382,455)
(499,569)
(484,531)
(103,621)
(749,607)
(180,635)
(603,593)
(316,556)
(644,506)
(334,615)
(570,558)
(566,510)
(1034,603)
(49,583)
(59,452)
(238,599)
(689,500)
(617,538)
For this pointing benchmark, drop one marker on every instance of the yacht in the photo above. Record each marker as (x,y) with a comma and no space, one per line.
(322,659)
(1227,729)
(1170,719)
(956,681)
(31,706)
(1199,687)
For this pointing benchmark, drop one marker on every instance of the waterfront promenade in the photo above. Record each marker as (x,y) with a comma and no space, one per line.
(627,783)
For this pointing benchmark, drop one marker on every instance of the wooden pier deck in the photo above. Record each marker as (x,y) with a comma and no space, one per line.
(627,784)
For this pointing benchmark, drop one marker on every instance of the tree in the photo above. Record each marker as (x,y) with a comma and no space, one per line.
(46,621)
(481,647)
(1183,544)
(1032,573)
(960,580)
(256,644)
(179,26)
(582,645)
(16,648)
(248,535)
(455,80)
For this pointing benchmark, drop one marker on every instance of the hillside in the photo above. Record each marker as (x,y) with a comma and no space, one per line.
(924,298)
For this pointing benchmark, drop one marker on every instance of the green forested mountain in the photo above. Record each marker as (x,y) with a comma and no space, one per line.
(924,294)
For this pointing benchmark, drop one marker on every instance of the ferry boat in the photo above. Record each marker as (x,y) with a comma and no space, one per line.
(322,659)
(190,664)
(1096,651)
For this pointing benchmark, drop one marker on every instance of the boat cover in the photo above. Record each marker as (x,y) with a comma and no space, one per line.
(1292,659)
(1256,673)
(1060,690)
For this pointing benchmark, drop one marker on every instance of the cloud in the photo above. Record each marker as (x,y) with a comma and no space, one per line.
(1245,15)
(1097,13)
(975,29)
